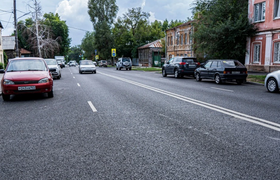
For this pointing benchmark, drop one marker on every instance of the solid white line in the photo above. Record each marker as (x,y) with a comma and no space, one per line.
(78,84)
(92,106)
(245,117)
(222,89)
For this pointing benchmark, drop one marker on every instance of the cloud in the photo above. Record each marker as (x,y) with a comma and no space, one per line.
(143,4)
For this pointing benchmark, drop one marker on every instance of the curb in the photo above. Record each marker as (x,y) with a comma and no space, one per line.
(254,83)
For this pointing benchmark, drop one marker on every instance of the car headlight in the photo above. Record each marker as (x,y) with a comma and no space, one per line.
(44,80)
(8,82)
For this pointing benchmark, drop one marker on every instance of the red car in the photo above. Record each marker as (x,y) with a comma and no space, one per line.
(25,76)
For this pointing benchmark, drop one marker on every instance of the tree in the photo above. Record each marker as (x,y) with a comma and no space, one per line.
(75,52)
(221,28)
(88,45)
(102,14)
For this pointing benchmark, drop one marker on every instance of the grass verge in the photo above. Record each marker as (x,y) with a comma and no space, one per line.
(146,68)
(256,78)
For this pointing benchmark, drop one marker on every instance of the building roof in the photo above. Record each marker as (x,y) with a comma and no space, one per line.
(8,42)
(155,44)
(1,25)
(184,24)
(24,51)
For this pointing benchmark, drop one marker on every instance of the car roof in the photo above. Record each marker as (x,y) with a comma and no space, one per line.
(25,58)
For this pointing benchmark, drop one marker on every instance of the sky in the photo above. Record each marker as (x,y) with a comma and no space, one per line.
(75,13)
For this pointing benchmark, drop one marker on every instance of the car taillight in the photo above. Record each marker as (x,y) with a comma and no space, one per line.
(198,63)
(182,63)
(227,72)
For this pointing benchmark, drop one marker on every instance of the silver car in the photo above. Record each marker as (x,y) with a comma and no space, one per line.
(272,81)
(87,66)
(124,62)
(54,68)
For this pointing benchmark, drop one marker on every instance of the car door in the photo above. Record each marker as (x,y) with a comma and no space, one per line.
(212,69)
(204,70)
(168,67)
(173,65)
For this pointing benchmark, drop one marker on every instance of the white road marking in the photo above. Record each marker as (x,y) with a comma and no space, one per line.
(74,77)
(92,106)
(245,117)
(78,84)
(222,89)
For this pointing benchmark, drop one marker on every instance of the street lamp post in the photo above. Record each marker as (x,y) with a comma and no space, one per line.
(16,32)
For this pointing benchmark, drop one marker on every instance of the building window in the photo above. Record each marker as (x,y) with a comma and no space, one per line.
(259,12)
(277,9)
(182,38)
(257,50)
(277,52)
(186,38)
(171,40)
(190,38)
(178,38)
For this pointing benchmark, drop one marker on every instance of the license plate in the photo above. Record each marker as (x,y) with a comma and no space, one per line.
(26,88)
(235,72)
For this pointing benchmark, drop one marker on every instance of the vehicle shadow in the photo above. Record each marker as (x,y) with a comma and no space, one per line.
(29,97)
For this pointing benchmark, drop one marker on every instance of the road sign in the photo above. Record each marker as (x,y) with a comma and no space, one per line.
(114,52)
(95,51)
(97,57)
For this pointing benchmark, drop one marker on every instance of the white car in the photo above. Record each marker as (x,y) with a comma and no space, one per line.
(272,81)
(54,68)
(87,66)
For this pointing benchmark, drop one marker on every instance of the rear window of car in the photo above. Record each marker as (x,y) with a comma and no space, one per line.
(27,65)
(51,62)
(86,63)
(189,61)
(125,59)
(232,64)
(103,61)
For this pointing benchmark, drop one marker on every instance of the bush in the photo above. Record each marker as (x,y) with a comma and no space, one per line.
(1,66)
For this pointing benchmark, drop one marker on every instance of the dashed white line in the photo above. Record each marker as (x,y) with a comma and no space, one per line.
(222,89)
(74,77)
(78,84)
(92,106)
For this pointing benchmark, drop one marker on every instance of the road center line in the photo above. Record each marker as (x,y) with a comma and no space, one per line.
(92,106)
(241,116)
(222,89)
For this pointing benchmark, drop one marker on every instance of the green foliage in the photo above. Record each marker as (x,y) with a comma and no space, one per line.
(88,45)
(221,28)
(1,65)
(75,53)
(102,14)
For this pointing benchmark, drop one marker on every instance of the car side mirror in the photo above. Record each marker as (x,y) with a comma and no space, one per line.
(168,62)
(2,71)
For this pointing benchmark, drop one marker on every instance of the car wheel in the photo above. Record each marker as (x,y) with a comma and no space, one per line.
(80,72)
(130,68)
(120,68)
(6,97)
(116,68)
(272,85)
(164,73)
(197,77)
(218,79)
(94,72)
(58,77)
(239,81)
(176,74)
(50,94)
(126,69)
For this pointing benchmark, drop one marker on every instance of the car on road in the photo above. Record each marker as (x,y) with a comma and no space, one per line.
(26,76)
(87,66)
(103,63)
(124,62)
(59,62)
(72,63)
(272,81)
(222,70)
(180,66)
(54,68)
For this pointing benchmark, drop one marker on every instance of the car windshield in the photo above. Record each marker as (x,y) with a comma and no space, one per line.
(27,65)
(59,62)
(232,64)
(51,62)
(86,63)
(125,59)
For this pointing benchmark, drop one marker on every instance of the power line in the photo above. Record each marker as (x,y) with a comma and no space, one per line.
(78,29)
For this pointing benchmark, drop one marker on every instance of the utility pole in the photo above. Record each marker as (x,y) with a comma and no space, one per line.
(16,32)
(37,34)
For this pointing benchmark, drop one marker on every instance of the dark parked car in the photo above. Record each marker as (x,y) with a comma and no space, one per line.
(180,66)
(222,70)
(102,63)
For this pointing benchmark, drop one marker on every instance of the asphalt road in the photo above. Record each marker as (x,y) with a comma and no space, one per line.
(139,125)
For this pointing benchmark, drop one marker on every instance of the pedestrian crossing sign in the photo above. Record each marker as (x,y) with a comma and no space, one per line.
(114,53)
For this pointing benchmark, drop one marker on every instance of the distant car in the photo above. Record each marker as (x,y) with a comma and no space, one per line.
(124,62)
(180,66)
(87,66)
(26,76)
(102,63)
(94,63)
(272,81)
(72,63)
(60,63)
(54,68)
(221,71)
